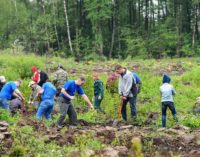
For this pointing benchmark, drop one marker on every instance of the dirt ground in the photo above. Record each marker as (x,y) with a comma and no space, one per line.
(178,140)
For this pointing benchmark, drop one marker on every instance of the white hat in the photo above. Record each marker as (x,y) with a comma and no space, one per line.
(31,83)
(2,79)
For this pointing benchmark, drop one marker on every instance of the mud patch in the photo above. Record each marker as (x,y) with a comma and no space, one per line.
(5,138)
(173,68)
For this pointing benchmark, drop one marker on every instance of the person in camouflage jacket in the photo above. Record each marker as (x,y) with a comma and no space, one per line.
(98,92)
(60,78)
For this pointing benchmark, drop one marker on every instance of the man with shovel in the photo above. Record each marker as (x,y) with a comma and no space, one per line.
(127,90)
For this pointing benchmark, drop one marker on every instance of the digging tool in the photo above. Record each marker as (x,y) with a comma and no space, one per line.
(120,110)
(115,122)
(22,108)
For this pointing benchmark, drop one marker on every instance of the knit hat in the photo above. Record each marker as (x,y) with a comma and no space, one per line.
(166,79)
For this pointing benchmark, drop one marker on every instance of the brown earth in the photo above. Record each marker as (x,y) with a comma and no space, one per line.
(179,140)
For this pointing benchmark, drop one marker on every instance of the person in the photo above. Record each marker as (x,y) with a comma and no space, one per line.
(45,108)
(60,78)
(2,81)
(33,99)
(43,77)
(167,92)
(98,92)
(15,104)
(127,91)
(9,89)
(66,96)
(138,81)
(36,74)
(111,83)
(138,85)
(196,106)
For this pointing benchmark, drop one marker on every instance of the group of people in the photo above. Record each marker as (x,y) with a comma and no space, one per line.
(44,93)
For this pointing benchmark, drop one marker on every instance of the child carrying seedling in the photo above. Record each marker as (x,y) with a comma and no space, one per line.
(98,92)
(167,92)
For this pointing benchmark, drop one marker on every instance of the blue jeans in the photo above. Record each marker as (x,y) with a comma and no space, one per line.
(166,105)
(45,108)
(4,104)
(132,101)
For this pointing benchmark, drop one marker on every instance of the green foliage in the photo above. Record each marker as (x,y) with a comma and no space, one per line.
(6,116)
(18,151)
(191,121)
(87,141)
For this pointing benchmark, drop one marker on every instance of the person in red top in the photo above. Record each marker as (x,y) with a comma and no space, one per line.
(36,74)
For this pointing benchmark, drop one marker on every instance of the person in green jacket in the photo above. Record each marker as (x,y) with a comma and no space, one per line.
(98,92)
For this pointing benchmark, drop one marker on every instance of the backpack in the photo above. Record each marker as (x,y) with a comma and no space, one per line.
(43,78)
(134,88)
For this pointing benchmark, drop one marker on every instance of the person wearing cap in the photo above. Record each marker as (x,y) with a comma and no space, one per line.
(66,96)
(2,81)
(36,74)
(60,78)
(45,108)
(33,99)
(9,89)
(167,91)
(127,91)
(39,76)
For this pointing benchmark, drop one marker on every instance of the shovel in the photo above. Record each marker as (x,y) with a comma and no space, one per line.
(22,108)
(115,122)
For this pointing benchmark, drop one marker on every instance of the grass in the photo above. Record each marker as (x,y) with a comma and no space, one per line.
(186,84)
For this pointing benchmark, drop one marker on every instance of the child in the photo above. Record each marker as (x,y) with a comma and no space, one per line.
(167,91)
(98,92)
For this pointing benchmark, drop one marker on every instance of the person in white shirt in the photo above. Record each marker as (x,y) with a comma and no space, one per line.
(167,91)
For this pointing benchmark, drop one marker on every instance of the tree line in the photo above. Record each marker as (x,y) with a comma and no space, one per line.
(110,28)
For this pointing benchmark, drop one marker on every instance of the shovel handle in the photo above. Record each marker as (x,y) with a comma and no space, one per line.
(22,108)
(120,110)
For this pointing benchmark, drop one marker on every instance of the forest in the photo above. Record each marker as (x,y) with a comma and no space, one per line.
(102,28)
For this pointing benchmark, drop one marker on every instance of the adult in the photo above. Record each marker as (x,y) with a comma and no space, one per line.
(34,97)
(2,81)
(138,85)
(36,74)
(45,108)
(67,94)
(127,91)
(15,104)
(111,83)
(9,89)
(43,77)
(60,78)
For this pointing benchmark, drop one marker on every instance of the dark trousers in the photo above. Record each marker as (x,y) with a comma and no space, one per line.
(166,105)
(66,107)
(132,101)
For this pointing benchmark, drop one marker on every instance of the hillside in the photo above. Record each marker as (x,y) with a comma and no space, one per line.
(96,135)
